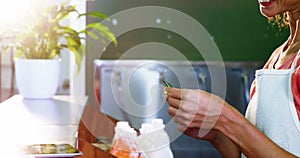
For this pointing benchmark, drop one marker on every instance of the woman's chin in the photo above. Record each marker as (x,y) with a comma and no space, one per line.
(268,13)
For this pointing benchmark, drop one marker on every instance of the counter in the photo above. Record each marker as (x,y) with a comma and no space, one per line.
(44,121)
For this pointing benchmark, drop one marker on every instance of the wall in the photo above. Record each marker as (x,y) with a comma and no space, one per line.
(239,30)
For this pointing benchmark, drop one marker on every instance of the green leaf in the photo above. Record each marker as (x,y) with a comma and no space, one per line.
(92,34)
(103,30)
(94,14)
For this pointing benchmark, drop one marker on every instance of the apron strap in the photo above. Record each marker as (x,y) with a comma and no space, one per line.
(295,61)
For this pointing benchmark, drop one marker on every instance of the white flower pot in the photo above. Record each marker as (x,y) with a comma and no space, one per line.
(37,78)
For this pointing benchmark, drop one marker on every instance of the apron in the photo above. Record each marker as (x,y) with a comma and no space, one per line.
(272,109)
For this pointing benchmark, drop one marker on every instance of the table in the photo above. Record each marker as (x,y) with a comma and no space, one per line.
(30,121)
(93,125)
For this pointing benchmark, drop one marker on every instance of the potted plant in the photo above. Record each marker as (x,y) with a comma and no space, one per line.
(41,43)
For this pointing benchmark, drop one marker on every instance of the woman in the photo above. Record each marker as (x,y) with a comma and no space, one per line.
(271,127)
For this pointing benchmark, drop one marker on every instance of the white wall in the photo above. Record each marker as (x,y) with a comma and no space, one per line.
(77,80)
(68,76)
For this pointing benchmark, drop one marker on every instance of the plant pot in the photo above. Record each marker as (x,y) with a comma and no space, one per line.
(37,78)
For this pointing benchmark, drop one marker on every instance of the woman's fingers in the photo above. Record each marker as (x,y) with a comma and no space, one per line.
(184,105)
(174,102)
(181,116)
(192,131)
(187,123)
(184,94)
(172,111)
(173,92)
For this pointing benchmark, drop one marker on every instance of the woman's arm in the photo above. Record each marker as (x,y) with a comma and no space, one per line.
(225,146)
(252,142)
(206,116)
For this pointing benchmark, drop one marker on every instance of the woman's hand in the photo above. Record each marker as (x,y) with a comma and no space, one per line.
(195,111)
(197,114)
(194,132)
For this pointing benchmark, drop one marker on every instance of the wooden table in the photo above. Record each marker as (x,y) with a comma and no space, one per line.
(29,121)
(93,125)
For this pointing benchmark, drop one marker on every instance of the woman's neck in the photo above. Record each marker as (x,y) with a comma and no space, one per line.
(294,28)
(292,45)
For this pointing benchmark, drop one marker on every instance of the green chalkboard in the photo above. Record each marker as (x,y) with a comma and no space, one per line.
(237,27)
